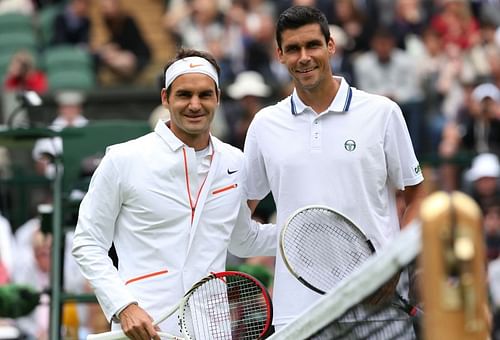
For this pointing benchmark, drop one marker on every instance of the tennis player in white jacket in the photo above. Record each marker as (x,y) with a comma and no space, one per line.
(171,202)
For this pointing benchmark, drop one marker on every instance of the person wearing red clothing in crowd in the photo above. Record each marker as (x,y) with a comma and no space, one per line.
(22,74)
(456,24)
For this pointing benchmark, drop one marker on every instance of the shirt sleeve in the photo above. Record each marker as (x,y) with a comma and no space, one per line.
(403,167)
(94,236)
(256,183)
(250,238)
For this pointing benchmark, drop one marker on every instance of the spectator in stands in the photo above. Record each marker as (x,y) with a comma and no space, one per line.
(487,10)
(248,91)
(251,41)
(260,46)
(195,24)
(126,53)
(430,70)
(408,22)
(484,55)
(476,129)
(72,25)
(482,179)
(34,269)
(201,24)
(456,24)
(389,71)
(478,125)
(342,63)
(22,74)
(491,223)
(357,24)
(70,114)
(445,75)
(25,7)
(232,60)
(6,250)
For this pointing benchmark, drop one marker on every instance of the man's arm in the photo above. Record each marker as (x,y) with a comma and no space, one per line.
(93,237)
(251,238)
(252,204)
(413,196)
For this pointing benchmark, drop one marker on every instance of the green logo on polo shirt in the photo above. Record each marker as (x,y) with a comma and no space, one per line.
(350,145)
(418,169)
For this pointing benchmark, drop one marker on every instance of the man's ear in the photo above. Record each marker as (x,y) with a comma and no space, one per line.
(279,54)
(164,96)
(331,46)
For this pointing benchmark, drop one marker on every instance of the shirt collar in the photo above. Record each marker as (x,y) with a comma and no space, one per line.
(340,103)
(162,130)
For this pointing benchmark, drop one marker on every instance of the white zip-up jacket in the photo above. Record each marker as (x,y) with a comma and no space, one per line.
(138,199)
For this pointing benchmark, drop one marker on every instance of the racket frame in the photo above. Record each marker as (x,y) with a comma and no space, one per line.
(283,235)
(403,303)
(181,305)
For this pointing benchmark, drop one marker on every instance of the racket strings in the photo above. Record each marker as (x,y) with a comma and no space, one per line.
(368,321)
(324,247)
(230,308)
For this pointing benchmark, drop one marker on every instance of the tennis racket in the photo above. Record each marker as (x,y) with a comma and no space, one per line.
(321,247)
(225,305)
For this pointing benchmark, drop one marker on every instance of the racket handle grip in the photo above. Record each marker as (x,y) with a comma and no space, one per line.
(115,335)
(112,335)
(167,336)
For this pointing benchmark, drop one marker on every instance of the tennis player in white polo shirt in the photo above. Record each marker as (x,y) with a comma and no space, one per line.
(172,204)
(327,144)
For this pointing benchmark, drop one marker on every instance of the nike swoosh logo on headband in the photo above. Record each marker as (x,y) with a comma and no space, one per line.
(195,65)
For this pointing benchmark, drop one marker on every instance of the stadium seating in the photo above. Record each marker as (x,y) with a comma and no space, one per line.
(69,67)
(15,23)
(15,41)
(78,79)
(67,57)
(45,22)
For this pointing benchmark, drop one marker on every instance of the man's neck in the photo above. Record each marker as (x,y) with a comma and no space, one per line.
(197,142)
(320,98)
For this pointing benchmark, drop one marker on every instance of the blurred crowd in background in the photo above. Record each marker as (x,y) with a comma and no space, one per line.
(438,59)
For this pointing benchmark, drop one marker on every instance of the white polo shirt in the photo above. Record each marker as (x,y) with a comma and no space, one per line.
(352,157)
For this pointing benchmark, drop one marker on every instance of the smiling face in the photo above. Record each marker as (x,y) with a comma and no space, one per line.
(192,102)
(306,54)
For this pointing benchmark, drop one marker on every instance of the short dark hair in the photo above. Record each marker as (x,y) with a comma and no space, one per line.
(185,53)
(298,16)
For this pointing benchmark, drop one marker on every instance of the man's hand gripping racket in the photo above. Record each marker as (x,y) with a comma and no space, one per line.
(321,247)
(225,305)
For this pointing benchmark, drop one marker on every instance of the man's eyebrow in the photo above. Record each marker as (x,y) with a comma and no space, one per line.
(182,91)
(306,43)
(186,91)
(207,91)
(291,45)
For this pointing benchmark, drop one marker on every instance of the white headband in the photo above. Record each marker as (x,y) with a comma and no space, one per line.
(190,65)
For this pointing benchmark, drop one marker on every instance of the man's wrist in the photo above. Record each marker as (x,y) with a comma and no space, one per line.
(116,316)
